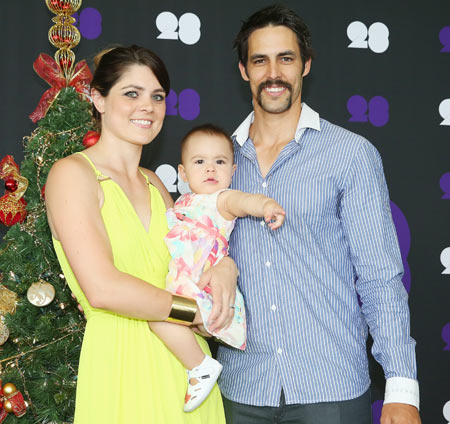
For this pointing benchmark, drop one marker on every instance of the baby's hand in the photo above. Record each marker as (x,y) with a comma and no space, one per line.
(273,214)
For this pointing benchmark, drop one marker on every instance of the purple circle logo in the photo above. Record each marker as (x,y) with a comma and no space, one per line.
(376,411)
(444,183)
(404,240)
(376,111)
(446,336)
(444,38)
(186,104)
(89,22)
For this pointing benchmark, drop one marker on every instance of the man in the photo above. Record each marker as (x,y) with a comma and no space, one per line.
(306,360)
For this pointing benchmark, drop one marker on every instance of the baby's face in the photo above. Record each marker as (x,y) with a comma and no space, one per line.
(207,163)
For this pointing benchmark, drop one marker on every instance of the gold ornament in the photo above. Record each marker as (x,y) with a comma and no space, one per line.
(9,389)
(4,332)
(8,407)
(7,301)
(41,293)
(63,7)
(64,35)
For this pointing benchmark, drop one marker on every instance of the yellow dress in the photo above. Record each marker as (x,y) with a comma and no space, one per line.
(126,374)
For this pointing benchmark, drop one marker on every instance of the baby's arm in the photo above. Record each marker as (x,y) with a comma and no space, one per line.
(234,203)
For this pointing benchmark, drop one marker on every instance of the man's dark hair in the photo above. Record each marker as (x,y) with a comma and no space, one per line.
(275,15)
(209,129)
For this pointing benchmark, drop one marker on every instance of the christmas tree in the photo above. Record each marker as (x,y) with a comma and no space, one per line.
(40,355)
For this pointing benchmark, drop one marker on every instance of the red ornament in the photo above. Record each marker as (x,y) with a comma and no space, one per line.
(11,185)
(12,204)
(43,191)
(90,138)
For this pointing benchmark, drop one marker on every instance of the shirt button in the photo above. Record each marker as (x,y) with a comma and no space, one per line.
(268,263)
(264,184)
(262,223)
(279,351)
(273,307)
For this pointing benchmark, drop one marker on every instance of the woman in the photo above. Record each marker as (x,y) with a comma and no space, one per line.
(107,219)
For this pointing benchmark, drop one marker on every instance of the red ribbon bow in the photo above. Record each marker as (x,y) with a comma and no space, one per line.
(47,68)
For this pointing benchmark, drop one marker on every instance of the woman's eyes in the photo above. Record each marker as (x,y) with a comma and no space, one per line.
(155,97)
(132,94)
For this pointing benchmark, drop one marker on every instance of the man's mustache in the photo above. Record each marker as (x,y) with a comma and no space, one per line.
(277,82)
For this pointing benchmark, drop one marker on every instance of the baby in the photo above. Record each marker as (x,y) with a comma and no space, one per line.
(200,225)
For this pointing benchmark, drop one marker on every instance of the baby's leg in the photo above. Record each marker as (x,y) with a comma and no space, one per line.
(181,341)
(203,370)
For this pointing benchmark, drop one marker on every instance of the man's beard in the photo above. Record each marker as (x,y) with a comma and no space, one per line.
(280,108)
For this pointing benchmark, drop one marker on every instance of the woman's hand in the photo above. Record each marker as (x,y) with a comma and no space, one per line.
(221,279)
(197,319)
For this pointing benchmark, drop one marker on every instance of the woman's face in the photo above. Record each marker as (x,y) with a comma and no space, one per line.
(135,107)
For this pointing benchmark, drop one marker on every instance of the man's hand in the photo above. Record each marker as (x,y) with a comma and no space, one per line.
(399,413)
(221,279)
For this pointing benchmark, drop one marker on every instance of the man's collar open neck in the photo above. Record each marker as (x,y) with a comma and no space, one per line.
(308,119)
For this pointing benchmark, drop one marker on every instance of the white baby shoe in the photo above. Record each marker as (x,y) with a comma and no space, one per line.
(206,375)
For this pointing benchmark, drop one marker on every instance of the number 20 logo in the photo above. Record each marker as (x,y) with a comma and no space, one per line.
(187,28)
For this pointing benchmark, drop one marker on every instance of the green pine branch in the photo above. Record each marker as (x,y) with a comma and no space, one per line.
(42,352)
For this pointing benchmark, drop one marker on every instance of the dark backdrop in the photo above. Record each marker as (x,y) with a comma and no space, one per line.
(382,70)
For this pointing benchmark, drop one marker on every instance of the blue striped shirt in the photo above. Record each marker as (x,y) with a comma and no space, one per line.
(304,283)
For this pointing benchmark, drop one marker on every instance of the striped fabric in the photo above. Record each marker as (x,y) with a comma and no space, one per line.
(304,283)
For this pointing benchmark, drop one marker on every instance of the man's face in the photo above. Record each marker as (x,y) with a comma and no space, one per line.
(274,68)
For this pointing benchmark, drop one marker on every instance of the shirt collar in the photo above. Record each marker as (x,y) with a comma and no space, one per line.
(308,119)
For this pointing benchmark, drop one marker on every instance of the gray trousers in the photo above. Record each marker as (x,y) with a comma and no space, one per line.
(355,411)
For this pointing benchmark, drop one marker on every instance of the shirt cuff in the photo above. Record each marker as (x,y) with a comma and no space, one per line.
(402,390)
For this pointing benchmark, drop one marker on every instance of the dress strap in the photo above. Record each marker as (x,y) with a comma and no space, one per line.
(100,176)
(145,176)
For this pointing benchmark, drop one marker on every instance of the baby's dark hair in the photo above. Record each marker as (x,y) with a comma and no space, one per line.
(209,129)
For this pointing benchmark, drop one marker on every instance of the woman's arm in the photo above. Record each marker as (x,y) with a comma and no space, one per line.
(73,198)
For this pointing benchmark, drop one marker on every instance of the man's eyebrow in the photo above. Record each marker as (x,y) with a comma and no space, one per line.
(286,53)
(258,56)
(280,54)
